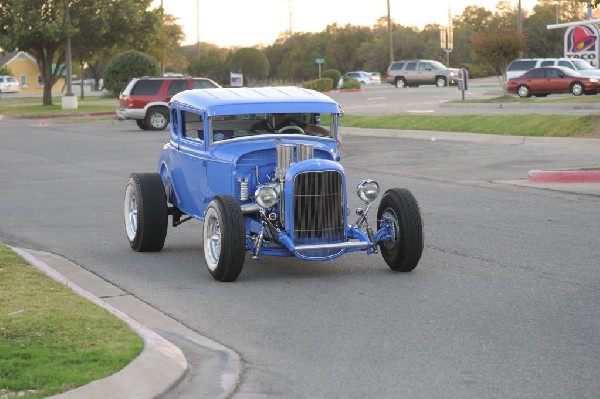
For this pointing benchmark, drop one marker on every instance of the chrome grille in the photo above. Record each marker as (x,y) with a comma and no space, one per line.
(318,208)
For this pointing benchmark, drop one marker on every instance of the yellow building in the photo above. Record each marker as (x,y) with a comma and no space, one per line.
(24,68)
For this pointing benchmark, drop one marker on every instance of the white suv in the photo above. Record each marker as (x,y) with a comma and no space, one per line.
(520,66)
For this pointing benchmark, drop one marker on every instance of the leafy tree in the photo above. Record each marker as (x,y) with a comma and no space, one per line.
(40,27)
(211,64)
(498,48)
(251,62)
(5,71)
(126,66)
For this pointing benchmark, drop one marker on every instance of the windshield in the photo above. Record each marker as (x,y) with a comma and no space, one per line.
(581,65)
(246,125)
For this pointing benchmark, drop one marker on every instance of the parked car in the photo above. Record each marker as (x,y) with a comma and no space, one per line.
(260,167)
(8,84)
(363,77)
(146,99)
(408,73)
(376,76)
(520,66)
(547,80)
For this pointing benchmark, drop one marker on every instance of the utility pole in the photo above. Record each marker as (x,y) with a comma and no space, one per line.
(198,26)
(390,35)
(290,11)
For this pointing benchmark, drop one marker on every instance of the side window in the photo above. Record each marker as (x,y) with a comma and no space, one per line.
(192,126)
(175,120)
(536,73)
(566,64)
(424,66)
(203,84)
(177,86)
(411,66)
(396,66)
(551,73)
(547,63)
(147,87)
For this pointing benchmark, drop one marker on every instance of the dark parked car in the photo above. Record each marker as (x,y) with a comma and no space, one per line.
(146,99)
(547,80)
(260,167)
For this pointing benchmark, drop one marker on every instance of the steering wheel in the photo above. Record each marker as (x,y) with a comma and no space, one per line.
(291,127)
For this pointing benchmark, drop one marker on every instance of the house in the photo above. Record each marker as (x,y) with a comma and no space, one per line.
(25,69)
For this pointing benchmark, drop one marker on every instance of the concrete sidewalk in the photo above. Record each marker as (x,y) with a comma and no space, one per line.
(162,368)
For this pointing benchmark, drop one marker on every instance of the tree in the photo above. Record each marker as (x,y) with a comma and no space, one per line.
(251,62)
(40,27)
(499,48)
(211,64)
(126,66)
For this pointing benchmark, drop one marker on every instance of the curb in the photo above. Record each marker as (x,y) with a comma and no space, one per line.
(73,115)
(139,379)
(564,176)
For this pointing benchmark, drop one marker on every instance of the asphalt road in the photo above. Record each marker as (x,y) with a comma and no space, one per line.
(505,302)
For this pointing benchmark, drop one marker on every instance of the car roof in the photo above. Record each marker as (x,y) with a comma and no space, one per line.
(233,101)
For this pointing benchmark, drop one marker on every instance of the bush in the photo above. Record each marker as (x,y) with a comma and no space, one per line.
(334,74)
(126,66)
(323,84)
(351,84)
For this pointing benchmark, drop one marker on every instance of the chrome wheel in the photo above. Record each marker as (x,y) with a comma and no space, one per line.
(577,89)
(131,212)
(389,216)
(212,239)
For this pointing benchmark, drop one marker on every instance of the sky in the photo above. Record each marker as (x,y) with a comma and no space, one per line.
(259,22)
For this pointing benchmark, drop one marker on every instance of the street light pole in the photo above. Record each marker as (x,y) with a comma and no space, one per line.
(390,36)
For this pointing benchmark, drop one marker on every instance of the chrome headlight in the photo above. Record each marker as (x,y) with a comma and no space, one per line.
(367,190)
(267,195)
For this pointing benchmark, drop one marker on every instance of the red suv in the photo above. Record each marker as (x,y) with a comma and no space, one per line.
(146,100)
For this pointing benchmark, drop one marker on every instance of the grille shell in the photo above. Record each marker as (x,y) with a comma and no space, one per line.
(318,210)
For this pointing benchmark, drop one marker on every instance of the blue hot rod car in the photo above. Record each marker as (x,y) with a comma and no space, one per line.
(261,168)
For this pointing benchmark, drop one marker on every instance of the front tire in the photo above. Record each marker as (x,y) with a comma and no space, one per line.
(224,238)
(400,208)
(440,81)
(145,211)
(577,89)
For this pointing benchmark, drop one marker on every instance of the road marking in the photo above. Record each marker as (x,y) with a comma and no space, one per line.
(420,111)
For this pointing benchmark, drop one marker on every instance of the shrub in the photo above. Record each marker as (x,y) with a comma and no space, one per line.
(126,66)
(334,74)
(323,84)
(351,84)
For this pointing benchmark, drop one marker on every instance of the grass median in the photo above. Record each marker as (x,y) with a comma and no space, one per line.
(540,125)
(515,125)
(51,339)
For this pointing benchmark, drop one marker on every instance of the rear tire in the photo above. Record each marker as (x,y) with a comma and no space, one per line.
(523,91)
(156,119)
(145,211)
(224,238)
(400,208)
(400,83)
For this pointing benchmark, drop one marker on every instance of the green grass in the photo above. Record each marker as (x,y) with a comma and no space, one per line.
(52,339)
(516,125)
(32,106)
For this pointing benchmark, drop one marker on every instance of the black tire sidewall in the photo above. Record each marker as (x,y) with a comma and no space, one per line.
(408,250)
(152,212)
